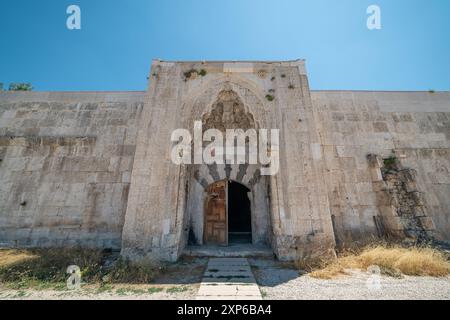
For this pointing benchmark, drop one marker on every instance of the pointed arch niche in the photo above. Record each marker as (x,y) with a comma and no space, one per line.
(227,111)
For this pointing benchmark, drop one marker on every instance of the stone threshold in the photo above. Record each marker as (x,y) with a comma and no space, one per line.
(232,251)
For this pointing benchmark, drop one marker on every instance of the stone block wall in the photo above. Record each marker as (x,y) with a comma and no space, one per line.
(75,171)
(276,94)
(413,127)
(65,167)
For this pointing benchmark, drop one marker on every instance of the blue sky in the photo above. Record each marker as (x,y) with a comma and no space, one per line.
(119,38)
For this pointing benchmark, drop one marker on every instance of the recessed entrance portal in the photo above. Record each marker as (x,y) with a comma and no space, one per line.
(239,214)
(227,214)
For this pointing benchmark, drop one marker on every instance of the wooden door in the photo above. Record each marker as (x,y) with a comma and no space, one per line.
(216,217)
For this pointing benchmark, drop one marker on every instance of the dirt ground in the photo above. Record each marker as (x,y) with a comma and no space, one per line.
(283,282)
(180,281)
(277,281)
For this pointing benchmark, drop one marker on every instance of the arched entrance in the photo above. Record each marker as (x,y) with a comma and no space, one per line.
(227,215)
(239,213)
(227,204)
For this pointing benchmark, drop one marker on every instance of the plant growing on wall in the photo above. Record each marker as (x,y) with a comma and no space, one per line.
(194,72)
(390,162)
(262,74)
(270,97)
(20,87)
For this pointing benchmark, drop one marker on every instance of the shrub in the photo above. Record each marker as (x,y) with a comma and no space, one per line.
(20,87)
(188,74)
(390,162)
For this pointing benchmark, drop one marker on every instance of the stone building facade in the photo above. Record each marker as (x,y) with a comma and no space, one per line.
(94,169)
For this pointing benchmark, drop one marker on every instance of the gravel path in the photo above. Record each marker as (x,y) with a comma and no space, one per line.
(278,282)
(186,292)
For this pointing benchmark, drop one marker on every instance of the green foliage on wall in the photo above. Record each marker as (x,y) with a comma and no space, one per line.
(20,87)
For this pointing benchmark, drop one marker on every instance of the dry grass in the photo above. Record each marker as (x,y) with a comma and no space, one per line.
(9,257)
(392,260)
(125,271)
(46,268)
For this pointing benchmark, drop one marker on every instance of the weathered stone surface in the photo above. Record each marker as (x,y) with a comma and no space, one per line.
(228,278)
(400,124)
(61,183)
(94,168)
(228,97)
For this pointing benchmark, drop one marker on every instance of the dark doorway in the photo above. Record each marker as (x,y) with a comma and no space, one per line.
(239,214)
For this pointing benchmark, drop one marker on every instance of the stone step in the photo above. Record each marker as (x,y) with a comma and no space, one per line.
(235,251)
(232,279)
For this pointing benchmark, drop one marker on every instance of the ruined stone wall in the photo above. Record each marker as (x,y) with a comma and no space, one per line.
(65,166)
(411,127)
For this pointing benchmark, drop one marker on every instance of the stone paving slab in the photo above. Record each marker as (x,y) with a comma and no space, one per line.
(228,290)
(228,279)
(231,273)
(227,298)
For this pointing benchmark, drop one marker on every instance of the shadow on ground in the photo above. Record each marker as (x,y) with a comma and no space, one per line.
(270,273)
